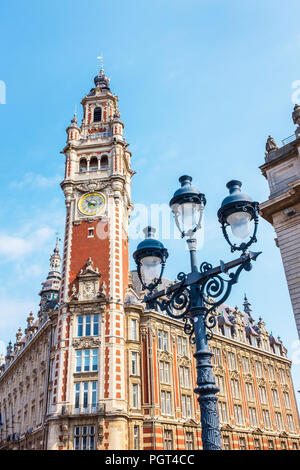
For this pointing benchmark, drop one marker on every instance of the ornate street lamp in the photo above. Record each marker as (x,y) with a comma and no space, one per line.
(237,211)
(150,257)
(196,296)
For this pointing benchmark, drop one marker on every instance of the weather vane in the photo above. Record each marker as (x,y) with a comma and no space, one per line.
(100,57)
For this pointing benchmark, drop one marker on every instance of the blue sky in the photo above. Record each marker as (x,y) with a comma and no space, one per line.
(201,86)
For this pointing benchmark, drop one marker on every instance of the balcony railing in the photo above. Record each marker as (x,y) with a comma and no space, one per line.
(83,410)
(289,139)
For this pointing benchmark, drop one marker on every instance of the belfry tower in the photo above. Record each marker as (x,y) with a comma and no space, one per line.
(88,367)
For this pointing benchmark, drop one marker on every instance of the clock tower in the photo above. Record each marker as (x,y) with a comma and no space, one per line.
(88,367)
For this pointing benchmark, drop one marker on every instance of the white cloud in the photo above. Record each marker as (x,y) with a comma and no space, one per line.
(35,181)
(13,314)
(13,247)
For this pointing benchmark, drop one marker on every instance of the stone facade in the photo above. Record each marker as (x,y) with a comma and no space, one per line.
(282,209)
(96,369)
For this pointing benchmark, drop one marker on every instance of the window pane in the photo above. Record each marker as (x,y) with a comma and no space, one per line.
(88,325)
(80,326)
(96,325)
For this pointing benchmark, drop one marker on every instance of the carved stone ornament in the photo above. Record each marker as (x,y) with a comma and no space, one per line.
(164,355)
(88,282)
(262,382)
(86,343)
(183,361)
(248,377)
(235,375)
(218,370)
(92,186)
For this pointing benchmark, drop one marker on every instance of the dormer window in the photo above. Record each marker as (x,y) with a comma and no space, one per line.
(97,114)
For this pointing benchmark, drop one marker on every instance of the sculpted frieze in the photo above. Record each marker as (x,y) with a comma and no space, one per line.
(86,343)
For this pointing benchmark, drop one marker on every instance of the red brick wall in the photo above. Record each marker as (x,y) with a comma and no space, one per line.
(84,247)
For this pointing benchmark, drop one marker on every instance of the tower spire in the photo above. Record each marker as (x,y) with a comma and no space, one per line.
(50,288)
(247,306)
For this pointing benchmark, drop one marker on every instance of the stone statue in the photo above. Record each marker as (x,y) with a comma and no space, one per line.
(271,145)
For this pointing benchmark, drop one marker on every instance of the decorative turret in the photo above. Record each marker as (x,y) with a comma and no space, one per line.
(19,343)
(101,80)
(50,288)
(9,353)
(73,131)
(31,328)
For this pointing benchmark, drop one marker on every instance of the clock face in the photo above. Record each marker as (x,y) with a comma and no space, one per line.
(91,203)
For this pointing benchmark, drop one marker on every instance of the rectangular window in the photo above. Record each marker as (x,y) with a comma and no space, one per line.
(242,442)
(184,376)
(271,373)
(86,397)
(84,438)
(253,416)
(286,398)
(186,403)
(238,414)
(135,400)
(166,405)
(217,356)
(258,368)
(262,394)
(231,361)
(249,391)
(279,421)
(189,441)
(136,437)
(235,388)
(134,363)
(168,440)
(222,412)
(87,360)
(271,445)
(226,442)
(275,397)
(246,365)
(164,372)
(88,325)
(282,376)
(290,421)
(179,345)
(133,330)
(220,384)
(266,418)
(257,445)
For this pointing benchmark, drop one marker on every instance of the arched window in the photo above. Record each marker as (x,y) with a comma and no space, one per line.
(97,114)
(82,165)
(104,162)
(94,164)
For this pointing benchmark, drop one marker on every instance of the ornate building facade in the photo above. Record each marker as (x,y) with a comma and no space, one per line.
(282,209)
(96,369)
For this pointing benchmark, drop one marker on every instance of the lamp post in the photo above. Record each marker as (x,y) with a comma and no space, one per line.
(196,295)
